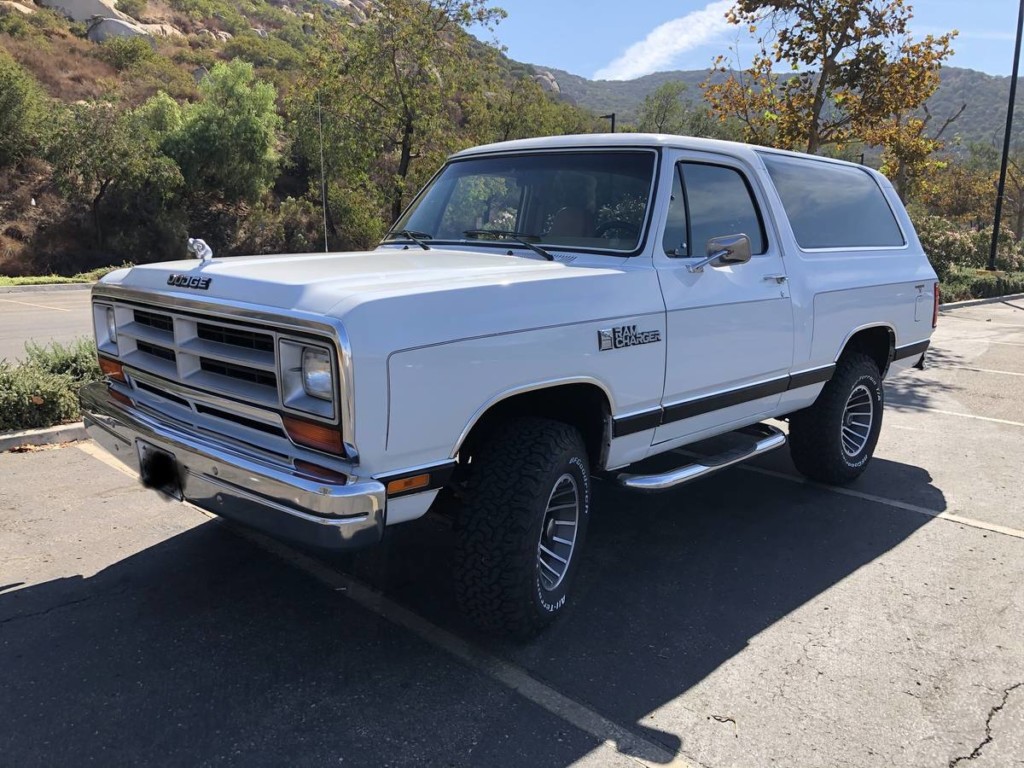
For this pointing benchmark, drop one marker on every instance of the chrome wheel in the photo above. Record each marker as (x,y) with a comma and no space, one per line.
(558,534)
(858,417)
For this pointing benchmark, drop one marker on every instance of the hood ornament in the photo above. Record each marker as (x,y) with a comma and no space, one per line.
(198,249)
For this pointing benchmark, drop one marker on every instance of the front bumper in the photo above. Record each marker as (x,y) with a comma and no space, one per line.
(226,480)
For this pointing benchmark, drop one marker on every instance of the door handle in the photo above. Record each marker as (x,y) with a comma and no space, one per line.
(780,279)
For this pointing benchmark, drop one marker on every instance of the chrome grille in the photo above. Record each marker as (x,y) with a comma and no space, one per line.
(209,354)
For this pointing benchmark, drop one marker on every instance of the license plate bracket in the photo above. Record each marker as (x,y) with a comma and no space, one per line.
(158,469)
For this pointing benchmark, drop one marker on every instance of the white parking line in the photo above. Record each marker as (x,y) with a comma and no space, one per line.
(955,413)
(951,517)
(977,370)
(993,341)
(611,734)
(37,306)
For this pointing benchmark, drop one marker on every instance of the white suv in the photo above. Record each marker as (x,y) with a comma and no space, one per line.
(545,311)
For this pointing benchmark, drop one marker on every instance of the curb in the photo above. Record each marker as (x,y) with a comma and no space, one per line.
(62,433)
(979,302)
(44,287)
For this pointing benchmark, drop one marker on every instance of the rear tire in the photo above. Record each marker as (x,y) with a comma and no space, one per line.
(521,528)
(833,440)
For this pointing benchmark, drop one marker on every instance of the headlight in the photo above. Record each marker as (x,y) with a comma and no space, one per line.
(317,373)
(111,326)
(309,382)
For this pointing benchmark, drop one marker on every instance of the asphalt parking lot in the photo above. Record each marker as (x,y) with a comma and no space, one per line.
(751,619)
(47,315)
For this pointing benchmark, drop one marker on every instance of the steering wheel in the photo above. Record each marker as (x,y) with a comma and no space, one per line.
(609,226)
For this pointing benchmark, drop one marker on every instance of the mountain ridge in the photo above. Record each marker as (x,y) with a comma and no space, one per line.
(983,120)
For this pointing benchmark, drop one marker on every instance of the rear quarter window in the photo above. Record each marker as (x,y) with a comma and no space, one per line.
(833,206)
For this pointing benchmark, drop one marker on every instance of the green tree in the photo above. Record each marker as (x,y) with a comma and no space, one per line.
(521,109)
(23,111)
(667,110)
(391,94)
(226,143)
(854,65)
(97,150)
(664,110)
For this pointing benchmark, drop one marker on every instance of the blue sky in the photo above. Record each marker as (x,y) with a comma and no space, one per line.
(619,40)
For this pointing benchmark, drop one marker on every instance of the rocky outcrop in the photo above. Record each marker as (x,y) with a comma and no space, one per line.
(161,30)
(8,6)
(106,29)
(84,10)
(547,81)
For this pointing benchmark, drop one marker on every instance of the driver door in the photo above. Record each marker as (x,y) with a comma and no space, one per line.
(729,328)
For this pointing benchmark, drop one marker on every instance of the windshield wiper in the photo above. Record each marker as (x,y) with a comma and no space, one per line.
(416,237)
(519,237)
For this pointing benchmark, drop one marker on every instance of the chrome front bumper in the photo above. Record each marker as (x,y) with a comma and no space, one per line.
(223,479)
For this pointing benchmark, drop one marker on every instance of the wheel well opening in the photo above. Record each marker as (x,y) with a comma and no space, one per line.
(583,406)
(877,343)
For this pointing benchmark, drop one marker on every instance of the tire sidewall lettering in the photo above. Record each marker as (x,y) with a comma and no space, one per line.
(552,602)
(875,387)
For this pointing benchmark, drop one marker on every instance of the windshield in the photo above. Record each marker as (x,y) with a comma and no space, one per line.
(591,200)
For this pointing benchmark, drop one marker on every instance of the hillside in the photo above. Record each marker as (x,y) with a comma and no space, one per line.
(982,121)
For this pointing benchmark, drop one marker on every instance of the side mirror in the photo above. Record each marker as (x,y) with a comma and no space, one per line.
(724,251)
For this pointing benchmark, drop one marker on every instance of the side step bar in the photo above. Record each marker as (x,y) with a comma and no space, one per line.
(766,438)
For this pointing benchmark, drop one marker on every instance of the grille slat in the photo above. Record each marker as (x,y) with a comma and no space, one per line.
(240,372)
(154,320)
(235,337)
(156,350)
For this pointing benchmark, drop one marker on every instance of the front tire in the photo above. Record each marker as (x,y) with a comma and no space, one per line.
(833,440)
(521,528)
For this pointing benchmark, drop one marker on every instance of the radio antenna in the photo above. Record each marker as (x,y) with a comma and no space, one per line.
(323,181)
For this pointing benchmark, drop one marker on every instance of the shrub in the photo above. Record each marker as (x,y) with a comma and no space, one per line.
(949,245)
(77,359)
(43,390)
(963,284)
(125,52)
(23,110)
(134,8)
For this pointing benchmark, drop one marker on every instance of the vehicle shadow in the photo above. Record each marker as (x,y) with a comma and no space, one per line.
(674,585)
(914,390)
(205,648)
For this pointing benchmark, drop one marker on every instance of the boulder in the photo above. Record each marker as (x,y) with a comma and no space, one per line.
(547,81)
(105,29)
(7,5)
(260,31)
(84,10)
(160,30)
(222,35)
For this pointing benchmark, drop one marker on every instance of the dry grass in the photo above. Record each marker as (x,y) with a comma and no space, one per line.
(65,66)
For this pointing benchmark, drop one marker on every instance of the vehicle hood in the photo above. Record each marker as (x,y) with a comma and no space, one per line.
(414,296)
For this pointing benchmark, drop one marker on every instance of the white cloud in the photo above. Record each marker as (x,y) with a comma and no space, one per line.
(664,43)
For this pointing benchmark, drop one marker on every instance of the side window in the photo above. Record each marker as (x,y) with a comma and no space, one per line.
(833,206)
(719,202)
(676,239)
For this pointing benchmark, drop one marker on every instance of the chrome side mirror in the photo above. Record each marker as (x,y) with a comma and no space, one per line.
(724,251)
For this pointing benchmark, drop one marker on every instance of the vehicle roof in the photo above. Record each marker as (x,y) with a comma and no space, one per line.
(653,140)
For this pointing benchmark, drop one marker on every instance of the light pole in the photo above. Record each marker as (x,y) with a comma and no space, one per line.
(1006,141)
(611,116)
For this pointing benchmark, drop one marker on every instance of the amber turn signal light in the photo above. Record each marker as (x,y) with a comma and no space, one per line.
(111,368)
(313,435)
(407,484)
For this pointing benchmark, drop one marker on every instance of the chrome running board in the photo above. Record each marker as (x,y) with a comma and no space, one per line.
(766,438)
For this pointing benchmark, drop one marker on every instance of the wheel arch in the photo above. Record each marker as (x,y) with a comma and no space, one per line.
(877,341)
(583,403)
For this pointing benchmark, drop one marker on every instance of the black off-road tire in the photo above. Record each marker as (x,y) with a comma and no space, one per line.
(816,440)
(498,530)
